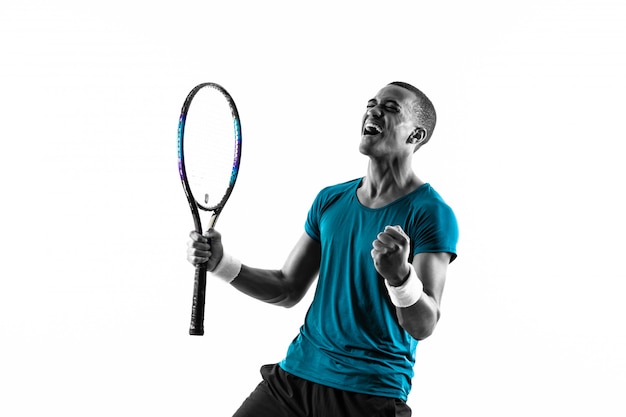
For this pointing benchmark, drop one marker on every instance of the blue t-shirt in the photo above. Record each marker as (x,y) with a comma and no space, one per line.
(351,339)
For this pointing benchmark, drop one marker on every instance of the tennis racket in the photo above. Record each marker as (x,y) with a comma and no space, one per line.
(209,150)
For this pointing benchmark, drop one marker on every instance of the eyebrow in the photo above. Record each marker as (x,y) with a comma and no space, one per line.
(390,100)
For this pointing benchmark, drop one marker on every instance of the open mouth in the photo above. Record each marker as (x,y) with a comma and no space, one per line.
(371,129)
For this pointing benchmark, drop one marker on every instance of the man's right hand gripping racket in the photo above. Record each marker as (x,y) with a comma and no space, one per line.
(209,151)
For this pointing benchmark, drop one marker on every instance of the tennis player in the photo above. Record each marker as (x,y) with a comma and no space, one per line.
(381,246)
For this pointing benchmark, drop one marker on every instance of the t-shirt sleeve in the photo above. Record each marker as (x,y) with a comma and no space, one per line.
(437,231)
(312,224)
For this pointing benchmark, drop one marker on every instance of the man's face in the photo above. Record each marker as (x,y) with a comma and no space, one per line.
(388,123)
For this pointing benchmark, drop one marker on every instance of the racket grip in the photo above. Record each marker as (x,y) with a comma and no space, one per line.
(196,328)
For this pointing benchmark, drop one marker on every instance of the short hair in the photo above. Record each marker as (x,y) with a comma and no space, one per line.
(423,109)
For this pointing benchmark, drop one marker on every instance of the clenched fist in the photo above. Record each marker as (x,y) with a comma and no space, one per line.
(205,248)
(391,255)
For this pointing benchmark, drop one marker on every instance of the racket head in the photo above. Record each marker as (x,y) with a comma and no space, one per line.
(209,149)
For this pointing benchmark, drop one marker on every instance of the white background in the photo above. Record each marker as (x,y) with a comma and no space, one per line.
(95,290)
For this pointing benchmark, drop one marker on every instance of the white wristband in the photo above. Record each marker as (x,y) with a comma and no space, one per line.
(228,269)
(408,293)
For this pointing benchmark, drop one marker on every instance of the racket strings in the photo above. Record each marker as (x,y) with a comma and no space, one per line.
(211,147)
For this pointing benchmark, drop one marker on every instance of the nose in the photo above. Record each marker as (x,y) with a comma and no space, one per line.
(374,111)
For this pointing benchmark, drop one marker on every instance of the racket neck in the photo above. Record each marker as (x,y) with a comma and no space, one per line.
(213,219)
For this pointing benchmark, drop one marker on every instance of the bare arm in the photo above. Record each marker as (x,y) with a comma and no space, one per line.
(284,287)
(390,254)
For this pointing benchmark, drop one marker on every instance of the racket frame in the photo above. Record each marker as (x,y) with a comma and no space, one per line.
(196,327)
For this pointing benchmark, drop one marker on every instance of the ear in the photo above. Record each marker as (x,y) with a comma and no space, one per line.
(418,136)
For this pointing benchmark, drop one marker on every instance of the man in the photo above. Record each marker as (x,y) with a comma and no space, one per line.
(381,246)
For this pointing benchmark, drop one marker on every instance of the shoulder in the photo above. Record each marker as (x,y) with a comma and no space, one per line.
(330,193)
(432,224)
(331,196)
(341,187)
(431,214)
(426,198)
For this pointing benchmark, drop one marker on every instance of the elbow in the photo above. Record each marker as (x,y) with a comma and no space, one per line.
(292,291)
(286,302)
(421,329)
(290,300)
(289,297)
(423,334)
(420,333)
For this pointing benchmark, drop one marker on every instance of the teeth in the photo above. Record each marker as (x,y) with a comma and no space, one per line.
(370,127)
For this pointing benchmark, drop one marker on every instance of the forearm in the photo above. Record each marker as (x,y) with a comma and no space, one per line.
(284,287)
(270,286)
(420,319)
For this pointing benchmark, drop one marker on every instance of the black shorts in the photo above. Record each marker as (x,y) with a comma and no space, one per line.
(281,394)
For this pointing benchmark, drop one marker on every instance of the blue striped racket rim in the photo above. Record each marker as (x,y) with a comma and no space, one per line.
(194,202)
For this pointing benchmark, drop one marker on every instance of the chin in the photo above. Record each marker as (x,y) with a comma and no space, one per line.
(367,146)
(364,148)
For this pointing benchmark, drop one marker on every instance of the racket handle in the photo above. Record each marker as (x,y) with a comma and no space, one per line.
(196,327)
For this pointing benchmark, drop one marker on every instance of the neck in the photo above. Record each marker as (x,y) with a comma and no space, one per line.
(386,182)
